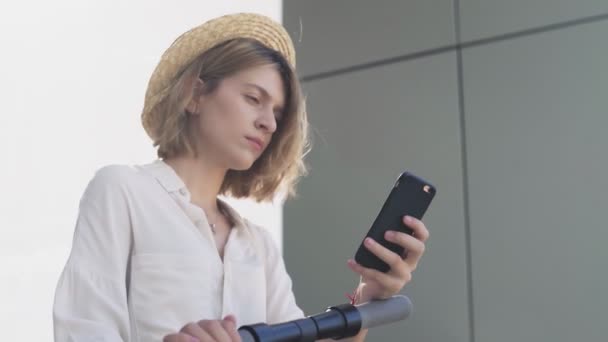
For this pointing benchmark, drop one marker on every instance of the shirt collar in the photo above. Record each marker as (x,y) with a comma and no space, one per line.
(171,182)
(165,175)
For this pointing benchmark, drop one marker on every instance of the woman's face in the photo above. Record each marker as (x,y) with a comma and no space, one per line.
(237,120)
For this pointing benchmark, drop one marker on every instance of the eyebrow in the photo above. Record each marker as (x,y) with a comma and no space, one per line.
(265,93)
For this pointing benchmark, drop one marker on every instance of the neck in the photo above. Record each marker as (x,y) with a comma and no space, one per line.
(202,179)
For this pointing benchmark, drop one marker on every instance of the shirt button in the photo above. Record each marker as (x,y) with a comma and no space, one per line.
(183,192)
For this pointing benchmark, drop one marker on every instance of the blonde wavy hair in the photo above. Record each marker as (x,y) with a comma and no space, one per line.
(282,163)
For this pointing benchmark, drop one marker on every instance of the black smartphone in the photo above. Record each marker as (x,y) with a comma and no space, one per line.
(411,195)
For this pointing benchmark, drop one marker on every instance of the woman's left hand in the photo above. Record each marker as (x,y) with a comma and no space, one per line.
(378,285)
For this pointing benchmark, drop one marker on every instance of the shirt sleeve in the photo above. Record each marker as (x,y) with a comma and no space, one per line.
(280,300)
(91,295)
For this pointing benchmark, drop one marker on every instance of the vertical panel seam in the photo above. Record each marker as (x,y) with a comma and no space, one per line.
(465,174)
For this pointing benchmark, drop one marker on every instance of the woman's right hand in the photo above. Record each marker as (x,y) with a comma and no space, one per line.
(207,331)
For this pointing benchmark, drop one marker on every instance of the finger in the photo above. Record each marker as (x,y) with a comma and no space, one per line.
(419,229)
(216,330)
(195,331)
(391,258)
(415,248)
(390,283)
(180,337)
(230,318)
(229,324)
(231,331)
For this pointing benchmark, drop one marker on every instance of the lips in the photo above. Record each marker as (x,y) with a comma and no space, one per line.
(258,143)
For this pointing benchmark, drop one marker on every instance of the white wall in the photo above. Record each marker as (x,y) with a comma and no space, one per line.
(72,81)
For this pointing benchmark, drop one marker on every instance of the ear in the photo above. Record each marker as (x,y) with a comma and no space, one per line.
(197,96)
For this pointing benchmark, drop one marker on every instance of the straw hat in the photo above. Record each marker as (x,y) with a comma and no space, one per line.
(194,42)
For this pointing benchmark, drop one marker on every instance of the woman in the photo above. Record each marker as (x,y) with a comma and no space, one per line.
(156,254)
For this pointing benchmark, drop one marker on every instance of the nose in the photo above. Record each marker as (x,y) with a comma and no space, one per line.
(266,121)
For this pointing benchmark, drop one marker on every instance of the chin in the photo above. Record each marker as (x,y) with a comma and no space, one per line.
(241,168)
(241,160)
(242,164)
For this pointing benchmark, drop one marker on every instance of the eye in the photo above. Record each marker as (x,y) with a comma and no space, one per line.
(252,99)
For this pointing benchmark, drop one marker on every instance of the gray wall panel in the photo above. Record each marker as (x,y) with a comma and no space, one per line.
(487,18)
(536,123)
(340,33)
(369,126)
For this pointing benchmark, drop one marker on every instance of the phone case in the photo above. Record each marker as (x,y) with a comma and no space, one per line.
(411,195)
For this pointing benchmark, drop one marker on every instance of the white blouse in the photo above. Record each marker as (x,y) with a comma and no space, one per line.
(144,263)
